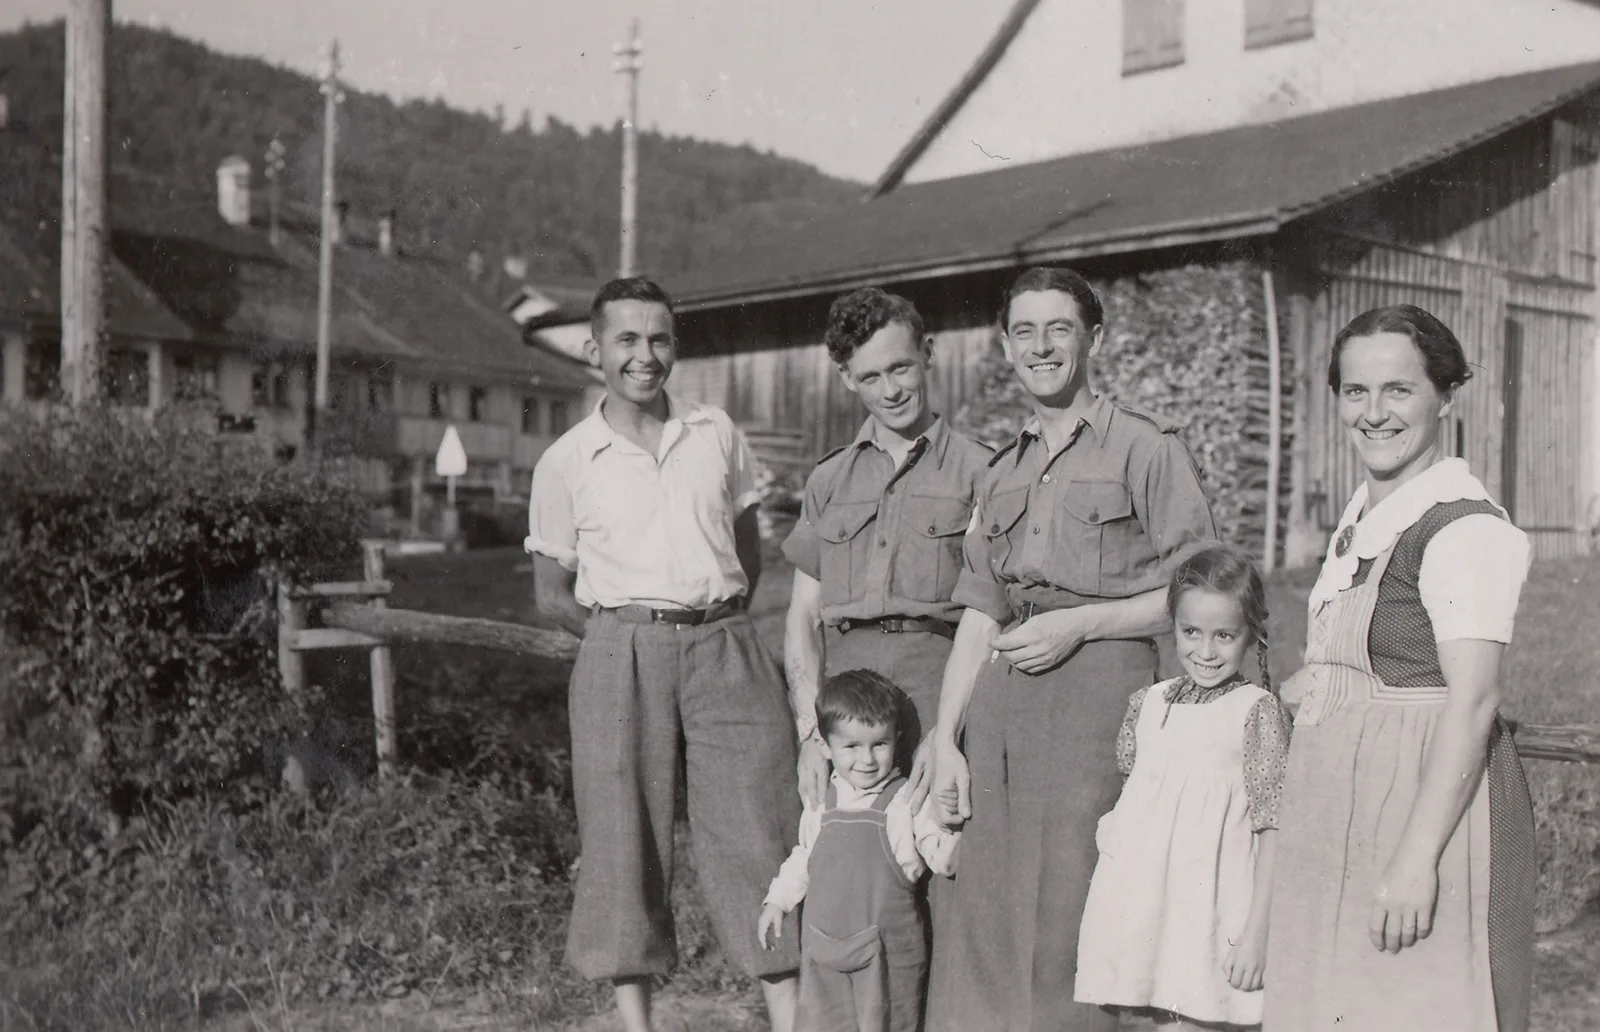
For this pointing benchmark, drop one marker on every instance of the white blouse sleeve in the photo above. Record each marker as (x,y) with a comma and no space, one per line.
(1471,578)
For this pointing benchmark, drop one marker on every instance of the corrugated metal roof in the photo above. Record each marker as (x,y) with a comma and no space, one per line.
(1234,183)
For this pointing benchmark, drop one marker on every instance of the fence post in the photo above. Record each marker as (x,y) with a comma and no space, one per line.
(291,620)
(382,667)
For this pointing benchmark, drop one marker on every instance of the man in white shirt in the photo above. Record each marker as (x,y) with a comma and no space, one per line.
(642,524)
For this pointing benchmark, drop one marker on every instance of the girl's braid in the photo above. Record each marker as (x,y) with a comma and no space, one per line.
(1261,657)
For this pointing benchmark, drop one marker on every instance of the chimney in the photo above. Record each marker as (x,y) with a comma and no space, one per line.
(233,190)
(341,212)
(386,233)
(515,266)
(475,264)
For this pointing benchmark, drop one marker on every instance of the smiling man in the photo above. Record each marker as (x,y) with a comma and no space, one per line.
(877,549)
(642,523)
(1078,523)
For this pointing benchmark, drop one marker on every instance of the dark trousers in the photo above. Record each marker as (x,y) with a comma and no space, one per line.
(1042,754)
(645,700)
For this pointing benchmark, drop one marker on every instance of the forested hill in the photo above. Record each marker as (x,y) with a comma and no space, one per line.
(457,180)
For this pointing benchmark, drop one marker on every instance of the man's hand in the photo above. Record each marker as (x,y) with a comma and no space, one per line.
(770,926)
(1044,641)
(813,771)
(952,784)
(919,782)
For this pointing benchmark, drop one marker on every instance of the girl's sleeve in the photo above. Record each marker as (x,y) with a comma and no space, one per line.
(1127,734)
(789,887)
(1266,756)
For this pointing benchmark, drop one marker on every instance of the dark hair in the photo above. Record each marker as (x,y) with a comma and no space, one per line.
(862,695)
(1226,571)
(629,288)
(1058,278)
(855,317)
(1442,357)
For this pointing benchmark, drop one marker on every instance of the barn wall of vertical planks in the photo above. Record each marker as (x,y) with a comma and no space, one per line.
(1499,243)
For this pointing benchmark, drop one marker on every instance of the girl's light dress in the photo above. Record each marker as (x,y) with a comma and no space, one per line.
(1172,888)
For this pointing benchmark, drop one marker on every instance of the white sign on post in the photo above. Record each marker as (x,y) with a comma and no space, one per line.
(452,458)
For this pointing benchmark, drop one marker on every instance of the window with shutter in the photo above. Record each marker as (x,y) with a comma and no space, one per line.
(1152,35)
(1270,22)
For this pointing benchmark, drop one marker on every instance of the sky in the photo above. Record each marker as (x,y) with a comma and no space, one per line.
(841,84)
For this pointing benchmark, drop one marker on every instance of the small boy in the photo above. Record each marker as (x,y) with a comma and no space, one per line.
(863,956)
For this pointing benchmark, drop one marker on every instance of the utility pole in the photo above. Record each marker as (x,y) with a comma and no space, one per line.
(275,162)
(331,97)
(629,59)
(83,199)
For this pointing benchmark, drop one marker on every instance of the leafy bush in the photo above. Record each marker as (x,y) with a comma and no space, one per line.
(136,565)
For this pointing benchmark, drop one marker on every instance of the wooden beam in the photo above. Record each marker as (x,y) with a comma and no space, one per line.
(1572,743)
(409,625)
(315,638)
(346,589)
(382,665)
(84,166)
(1269,558)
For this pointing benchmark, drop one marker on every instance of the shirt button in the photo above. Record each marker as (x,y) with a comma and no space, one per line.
(1045,479)
(995,529)
(1094,517)
(883,542)
(931,529)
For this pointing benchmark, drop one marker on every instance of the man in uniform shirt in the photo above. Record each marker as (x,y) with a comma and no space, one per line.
(877,550)
(1078,524)
(642,525)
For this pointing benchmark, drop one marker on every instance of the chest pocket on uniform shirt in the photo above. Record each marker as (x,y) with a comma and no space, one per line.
(930,556)
(1093,537)
(845,537)
(1001,523)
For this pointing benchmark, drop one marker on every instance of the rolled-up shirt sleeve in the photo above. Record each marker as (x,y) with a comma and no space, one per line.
(1471,578)
(742,486)
(803,548)
(977,587)
(1171,504)
(552,530)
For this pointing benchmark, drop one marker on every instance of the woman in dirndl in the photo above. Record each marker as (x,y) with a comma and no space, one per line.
(1405,870)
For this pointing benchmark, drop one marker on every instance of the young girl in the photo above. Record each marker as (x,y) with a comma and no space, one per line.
(1176,921)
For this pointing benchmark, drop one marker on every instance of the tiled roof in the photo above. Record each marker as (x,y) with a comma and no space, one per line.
(1234,183)
(178,271)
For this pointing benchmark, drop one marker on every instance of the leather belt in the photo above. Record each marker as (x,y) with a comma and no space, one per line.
(680,617)
(901,625)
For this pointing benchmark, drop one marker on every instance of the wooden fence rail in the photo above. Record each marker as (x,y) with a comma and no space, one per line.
(372,625)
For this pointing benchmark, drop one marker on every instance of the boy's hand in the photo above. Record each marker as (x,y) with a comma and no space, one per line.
(952,784)
(1246,962)
(770,926)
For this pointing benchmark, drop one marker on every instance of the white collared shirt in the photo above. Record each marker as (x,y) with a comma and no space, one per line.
(642,529)
(919,844)
(1472,570)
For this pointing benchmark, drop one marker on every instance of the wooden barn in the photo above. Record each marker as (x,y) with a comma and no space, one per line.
(1228,260)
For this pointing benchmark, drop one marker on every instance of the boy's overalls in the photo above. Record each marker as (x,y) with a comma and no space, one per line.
(864,955)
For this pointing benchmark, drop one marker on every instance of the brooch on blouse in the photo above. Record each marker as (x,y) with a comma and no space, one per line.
(1342,545)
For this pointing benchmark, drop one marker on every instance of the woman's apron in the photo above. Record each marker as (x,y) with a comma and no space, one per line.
(1355,765)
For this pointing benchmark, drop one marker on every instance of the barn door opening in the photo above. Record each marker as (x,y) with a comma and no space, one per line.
(1510,417)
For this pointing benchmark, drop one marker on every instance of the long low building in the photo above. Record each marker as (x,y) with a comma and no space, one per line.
(212,308)
(1228,260)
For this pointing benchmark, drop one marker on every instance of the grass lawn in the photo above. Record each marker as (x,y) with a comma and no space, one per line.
(443,894)
(1550,678)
